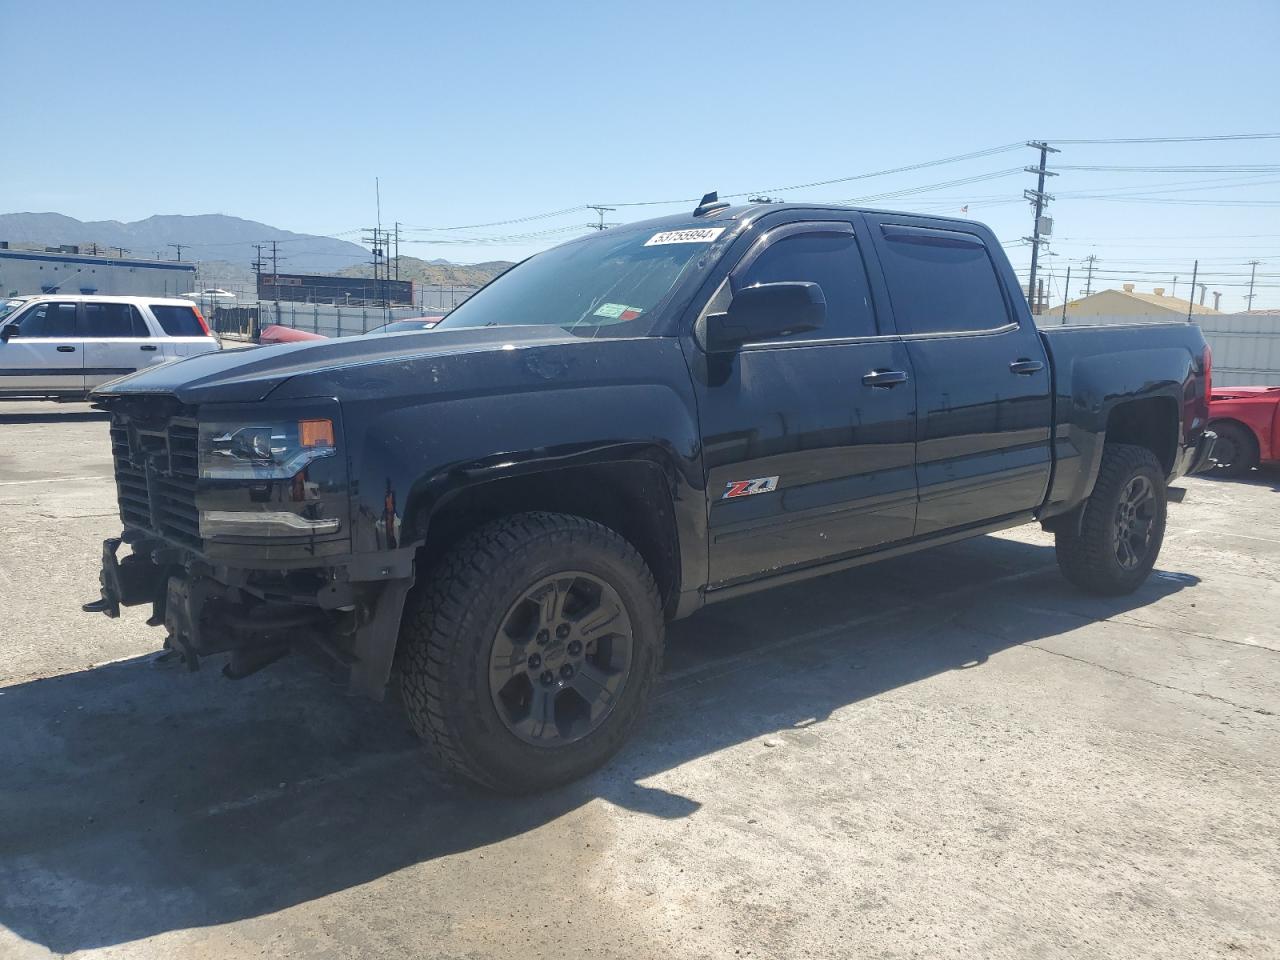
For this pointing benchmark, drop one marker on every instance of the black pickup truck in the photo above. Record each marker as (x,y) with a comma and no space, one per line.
(503,513)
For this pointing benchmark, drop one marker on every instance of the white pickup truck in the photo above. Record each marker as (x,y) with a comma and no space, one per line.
(61,347)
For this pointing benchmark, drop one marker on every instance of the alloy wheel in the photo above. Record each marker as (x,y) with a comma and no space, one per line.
(560,659)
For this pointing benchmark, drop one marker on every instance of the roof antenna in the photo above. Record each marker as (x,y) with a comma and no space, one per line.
(711,202)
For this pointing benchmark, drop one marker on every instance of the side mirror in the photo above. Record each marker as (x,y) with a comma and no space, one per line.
(765,311)
(7,331)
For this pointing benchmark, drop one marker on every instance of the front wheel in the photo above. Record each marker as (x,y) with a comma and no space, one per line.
(530,651)
(1115,545)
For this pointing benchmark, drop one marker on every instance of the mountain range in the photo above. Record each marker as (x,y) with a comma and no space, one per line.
(226,247)
(209,236)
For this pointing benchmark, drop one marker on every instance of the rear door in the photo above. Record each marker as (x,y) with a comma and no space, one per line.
(116,341)
(807,459)
(185,333)
(44,353)
(982,376)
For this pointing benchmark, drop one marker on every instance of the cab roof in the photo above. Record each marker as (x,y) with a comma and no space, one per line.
(745,213)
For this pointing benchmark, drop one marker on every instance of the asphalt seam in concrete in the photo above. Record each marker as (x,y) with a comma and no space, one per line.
(1148,625)
(1155,683)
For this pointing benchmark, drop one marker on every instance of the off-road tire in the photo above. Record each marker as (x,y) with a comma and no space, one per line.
(1236,451)
(450,623)
(1087,555)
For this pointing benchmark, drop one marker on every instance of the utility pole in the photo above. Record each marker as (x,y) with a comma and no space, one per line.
(1253,270)
(1088,283)
(178,247)
(1039,198)
(1195,271)
(275,264)
(602,211)
(397,251)
(373,237)
(257,270)
(121,251)
(1066,294)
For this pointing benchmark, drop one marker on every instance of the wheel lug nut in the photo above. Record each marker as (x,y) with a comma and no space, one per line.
(562,631)
(575,648)
(535,661)
(566,671)
(548,678)
(543,638)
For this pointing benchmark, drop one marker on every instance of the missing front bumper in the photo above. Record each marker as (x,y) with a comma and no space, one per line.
(258,616)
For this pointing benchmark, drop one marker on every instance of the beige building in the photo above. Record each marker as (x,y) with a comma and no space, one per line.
(1128,302)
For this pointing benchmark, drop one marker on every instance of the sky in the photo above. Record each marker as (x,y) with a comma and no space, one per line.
(480,113)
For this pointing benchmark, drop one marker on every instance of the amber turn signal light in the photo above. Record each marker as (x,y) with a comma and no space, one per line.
(316,433)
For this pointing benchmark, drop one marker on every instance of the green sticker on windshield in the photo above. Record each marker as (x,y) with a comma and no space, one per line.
(618,311)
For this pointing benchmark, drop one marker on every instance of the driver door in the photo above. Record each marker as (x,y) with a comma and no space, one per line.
(44,352)
(809,447)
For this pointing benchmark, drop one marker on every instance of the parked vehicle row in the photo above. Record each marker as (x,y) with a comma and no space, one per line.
(617,432)
(61,347)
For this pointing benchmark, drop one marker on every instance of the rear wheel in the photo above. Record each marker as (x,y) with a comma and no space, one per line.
(1235,452)
(1119,535)
(530,651)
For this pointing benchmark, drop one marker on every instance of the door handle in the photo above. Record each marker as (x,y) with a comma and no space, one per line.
(884,378)
(65,348)
(147,346)
(1025,367)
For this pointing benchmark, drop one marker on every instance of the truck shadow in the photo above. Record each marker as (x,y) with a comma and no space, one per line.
(138,800)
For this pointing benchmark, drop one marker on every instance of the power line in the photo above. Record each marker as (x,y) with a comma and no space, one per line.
(925,188)
(989,151)
(502,223)
(957,158)
(1194,168)
(1204,139)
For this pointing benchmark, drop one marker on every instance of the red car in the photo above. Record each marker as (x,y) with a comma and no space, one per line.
(274,333)
(1247,422)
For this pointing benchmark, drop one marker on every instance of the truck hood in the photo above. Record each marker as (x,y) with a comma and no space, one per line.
(246,375)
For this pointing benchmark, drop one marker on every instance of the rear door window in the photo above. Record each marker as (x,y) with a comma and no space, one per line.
(940,281)
(178,321)
(49,320)
(114,320)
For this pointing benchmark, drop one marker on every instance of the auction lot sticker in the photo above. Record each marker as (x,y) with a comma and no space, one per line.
(698,235)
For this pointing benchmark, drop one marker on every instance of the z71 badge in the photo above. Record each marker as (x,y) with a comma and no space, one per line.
(747,488)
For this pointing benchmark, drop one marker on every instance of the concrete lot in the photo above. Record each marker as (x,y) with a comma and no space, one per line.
(953,755)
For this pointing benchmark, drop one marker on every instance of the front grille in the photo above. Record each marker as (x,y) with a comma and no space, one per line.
(156,471)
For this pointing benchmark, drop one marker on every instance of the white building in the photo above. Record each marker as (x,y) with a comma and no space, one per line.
(24,272)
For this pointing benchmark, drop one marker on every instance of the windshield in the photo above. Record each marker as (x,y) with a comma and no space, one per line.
(609,284)
(8,306)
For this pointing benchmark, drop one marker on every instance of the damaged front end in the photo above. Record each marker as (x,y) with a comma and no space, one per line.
(237,527)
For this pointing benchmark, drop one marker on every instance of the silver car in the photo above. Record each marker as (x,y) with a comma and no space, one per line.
(61,347)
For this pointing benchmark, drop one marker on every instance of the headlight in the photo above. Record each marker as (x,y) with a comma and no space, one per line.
(263,451)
